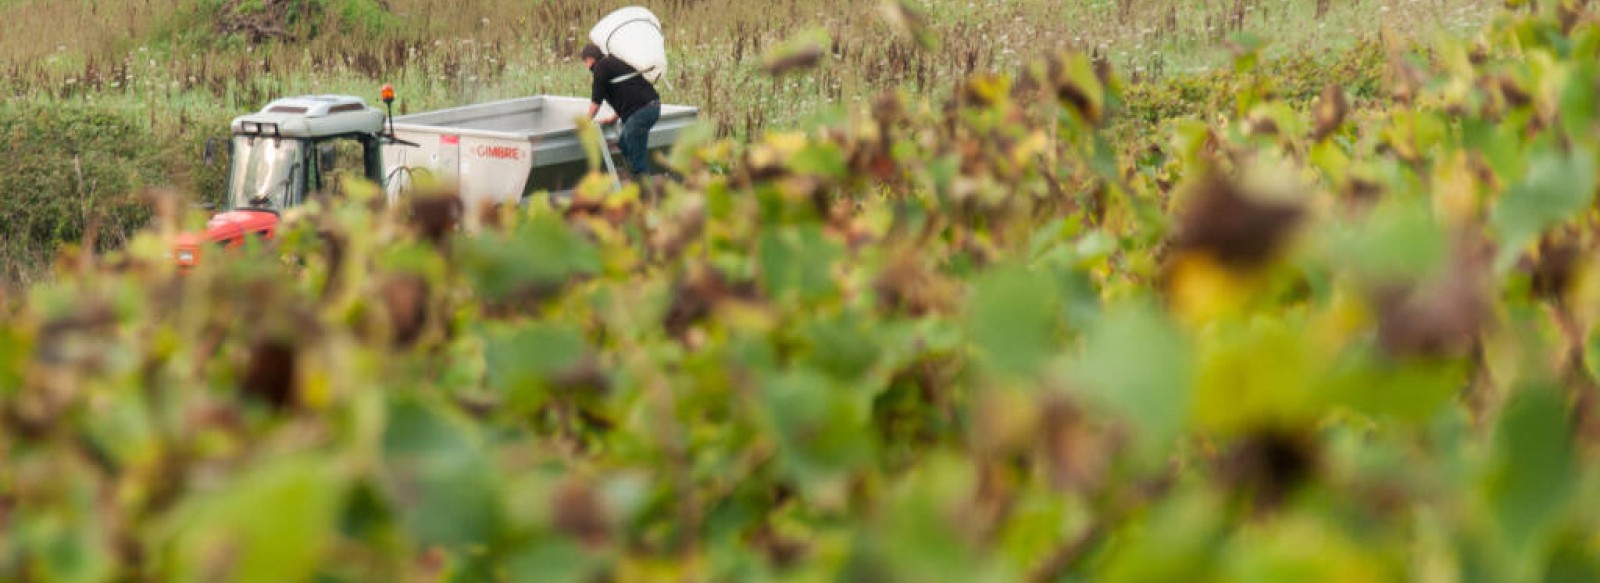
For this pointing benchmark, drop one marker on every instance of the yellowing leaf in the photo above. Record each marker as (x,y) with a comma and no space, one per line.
(1253,376)
(1346,316)
(1203,291)
(1455,191)
(1301,548)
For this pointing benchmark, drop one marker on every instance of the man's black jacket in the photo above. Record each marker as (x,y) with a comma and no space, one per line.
(627,96)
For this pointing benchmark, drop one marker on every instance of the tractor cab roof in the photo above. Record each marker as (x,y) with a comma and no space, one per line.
(312,116)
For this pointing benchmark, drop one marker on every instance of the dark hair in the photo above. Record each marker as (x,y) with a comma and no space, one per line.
(590,51)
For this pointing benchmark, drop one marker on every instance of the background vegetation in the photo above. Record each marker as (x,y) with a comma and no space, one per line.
(176,72)
(1028,328)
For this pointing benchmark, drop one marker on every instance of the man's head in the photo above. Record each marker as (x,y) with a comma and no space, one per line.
(590,54)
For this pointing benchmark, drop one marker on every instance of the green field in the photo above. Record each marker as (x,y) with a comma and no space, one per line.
(1259,292)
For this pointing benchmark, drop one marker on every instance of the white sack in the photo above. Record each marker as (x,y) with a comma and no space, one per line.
(633,35)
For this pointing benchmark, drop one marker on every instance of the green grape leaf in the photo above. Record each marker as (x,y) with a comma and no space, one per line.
(1398,241)
(820,426)
(1557,186)
(522,359)
(796,263)
(543,253)
(1534,467)
(1012,319)
(1177,541)
(271,523)
(1136,362)
(439,476)
(556,561)
(846,347)
(820,159)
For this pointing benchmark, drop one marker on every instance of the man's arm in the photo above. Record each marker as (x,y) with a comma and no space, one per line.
(597,94)
(594,108)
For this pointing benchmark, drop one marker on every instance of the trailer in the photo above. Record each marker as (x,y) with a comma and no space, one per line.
(505,151)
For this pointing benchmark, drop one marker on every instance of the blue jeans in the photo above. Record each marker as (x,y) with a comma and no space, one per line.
(636,137)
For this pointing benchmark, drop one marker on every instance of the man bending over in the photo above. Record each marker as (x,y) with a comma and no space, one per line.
(633,99)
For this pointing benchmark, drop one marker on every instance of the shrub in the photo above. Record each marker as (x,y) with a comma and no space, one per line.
(260,21)
(63,167)
(1297,79)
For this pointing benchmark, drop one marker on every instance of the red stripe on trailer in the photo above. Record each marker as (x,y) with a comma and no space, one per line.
(450,140)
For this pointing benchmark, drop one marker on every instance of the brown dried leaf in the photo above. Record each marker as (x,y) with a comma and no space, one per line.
(1237,230)
(578,513)
(436,216)
(406,300)
(1268,466)
(1438,319)
(1330,112)
(270,376)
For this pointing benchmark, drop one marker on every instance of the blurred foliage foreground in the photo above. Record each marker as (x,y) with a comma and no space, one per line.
(971,340)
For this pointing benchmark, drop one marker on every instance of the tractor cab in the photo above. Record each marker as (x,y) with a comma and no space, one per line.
(293,147)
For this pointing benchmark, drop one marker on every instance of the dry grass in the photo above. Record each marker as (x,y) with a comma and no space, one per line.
(446,52)
(38,29)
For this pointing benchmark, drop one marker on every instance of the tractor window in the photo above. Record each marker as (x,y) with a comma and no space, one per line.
(336,160)
(265,173)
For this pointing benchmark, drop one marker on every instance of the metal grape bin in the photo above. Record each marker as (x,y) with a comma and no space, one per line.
(503,151)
